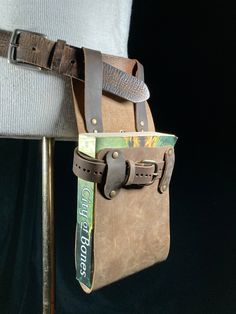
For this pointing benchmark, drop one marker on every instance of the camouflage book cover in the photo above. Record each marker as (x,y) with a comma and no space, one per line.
(90,144)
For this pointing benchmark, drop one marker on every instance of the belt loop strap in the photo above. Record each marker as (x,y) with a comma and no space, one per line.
(131,174)
(57,56)
(140,107)
(93,90)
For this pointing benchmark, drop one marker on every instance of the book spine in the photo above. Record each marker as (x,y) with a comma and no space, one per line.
(84,228)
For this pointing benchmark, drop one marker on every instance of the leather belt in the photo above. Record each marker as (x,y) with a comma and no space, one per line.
(126,172)
(36,51)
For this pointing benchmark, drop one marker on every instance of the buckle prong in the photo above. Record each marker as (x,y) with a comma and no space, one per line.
(13,47)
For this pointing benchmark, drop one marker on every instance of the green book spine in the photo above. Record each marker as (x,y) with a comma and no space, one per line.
(84,229)
(90,144)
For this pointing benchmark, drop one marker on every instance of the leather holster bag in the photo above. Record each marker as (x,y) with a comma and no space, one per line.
(131,230)
(131,199)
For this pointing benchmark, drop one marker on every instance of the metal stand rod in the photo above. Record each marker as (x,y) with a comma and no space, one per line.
(48,241)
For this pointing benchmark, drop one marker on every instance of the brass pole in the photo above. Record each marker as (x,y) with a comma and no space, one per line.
(48,241)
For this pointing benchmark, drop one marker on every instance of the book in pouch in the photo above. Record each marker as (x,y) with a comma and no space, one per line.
(94,268)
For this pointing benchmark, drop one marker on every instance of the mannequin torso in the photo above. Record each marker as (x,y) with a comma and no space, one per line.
(36,104)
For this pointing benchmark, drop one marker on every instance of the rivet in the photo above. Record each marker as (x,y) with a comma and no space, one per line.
(170,151)
(113,194)
(142,123)
(94,121)
(164,187)
(95,131)
(115,155)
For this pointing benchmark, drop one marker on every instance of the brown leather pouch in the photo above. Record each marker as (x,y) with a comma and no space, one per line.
(131,227)
(123,191)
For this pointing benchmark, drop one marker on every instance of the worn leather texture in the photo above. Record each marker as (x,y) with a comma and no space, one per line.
(168,169)
(115,174)
(131,231)
(34,104)
(118,114)
(37,52)
(95,170)
(140,109)
(93,70)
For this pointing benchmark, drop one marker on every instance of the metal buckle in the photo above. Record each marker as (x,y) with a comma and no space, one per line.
(156,173)
(13,47)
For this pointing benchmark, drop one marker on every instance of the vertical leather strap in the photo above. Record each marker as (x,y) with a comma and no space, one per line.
(57,56)
(140,107)
(93,90)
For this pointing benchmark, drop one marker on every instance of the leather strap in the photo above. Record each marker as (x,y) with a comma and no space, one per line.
(115,176)
(168,169)
(93,90)
(138,173)
(33,49)
(140,107)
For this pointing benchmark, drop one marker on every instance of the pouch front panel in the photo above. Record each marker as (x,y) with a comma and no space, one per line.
(131,231)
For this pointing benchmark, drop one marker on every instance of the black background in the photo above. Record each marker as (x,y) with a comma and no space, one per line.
(188,51)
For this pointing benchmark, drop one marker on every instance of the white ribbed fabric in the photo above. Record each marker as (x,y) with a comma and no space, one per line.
(36,104)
